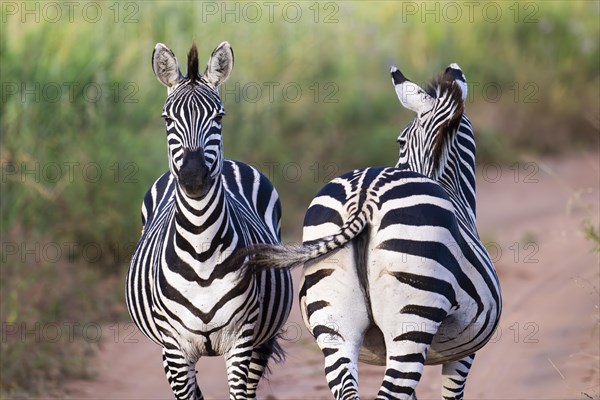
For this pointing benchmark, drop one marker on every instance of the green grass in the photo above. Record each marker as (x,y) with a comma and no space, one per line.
(592,234)
(52,310)
(348,116)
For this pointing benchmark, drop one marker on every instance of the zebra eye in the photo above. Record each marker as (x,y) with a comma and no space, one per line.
(167,119)
(218,118)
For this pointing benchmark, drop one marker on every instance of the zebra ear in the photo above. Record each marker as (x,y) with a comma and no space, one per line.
(165,66)
(411,96)
(453,72)
(219,65)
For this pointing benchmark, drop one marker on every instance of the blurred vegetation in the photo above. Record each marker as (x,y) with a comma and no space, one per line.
(592,234)
(82,138)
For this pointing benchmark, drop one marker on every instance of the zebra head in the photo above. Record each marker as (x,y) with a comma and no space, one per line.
(427,141)
(192,113)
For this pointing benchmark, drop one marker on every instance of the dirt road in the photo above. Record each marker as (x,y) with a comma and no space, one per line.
(547,347)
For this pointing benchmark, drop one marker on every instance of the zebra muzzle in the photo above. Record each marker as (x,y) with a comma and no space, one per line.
(194,176)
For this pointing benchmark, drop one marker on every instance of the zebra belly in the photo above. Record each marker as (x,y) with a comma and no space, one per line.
(442,350)
(275,291)
(140,285)
(373,350)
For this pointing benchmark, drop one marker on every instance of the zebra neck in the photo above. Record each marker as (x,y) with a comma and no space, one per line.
(459,189)
(203,229)
(458,175)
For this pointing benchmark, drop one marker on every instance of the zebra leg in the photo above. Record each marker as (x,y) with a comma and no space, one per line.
(341,369)
(258,365)
(408,327)
(238,369)
(454,377)
(181,374)
(335,311)
(406,349)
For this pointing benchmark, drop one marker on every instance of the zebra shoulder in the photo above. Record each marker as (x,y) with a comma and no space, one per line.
(247,182)
(160,188)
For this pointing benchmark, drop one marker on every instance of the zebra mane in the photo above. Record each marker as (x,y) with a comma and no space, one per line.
(192,71)
(442,86)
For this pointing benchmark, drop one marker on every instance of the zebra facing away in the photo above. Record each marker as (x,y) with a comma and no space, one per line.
(186,287)
(394,271)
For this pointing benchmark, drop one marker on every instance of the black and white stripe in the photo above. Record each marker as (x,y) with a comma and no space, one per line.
(187,289)
(394,271)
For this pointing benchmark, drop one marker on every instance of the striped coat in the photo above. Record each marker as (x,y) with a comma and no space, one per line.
(394,271)
(187,287)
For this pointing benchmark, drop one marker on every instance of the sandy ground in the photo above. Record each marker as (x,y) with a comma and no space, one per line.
(547,347)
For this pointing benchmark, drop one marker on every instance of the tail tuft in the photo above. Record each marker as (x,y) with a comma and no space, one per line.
(269,256)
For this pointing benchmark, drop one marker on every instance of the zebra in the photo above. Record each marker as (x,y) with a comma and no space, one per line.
(186,289)
(394,271)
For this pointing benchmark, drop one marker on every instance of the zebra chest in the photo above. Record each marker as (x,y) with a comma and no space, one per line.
(208,306)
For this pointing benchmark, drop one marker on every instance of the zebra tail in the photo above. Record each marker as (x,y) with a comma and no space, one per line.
(270,256)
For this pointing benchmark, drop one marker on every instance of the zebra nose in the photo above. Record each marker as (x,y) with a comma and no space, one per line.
(194,176)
